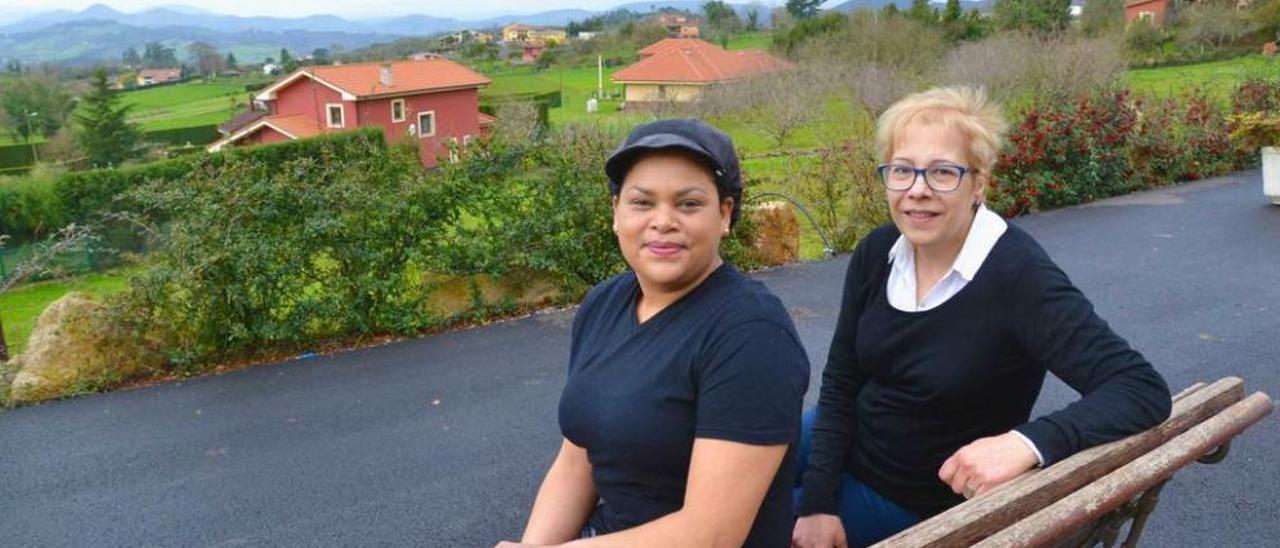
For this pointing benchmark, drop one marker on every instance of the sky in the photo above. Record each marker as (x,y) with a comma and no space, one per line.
(346,8)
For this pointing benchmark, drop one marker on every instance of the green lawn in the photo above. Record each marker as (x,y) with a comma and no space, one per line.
(20,307)
(190,104)
(1219,78)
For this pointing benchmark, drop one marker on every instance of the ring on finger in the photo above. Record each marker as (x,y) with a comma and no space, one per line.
(968,491)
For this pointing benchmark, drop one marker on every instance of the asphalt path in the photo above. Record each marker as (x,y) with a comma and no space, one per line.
(442,440)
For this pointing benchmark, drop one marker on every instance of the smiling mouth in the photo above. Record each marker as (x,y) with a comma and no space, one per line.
(663,248)
(922,214)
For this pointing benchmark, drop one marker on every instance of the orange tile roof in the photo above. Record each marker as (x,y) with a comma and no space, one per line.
(299,126)
(364,79)
(668,44)
(697,62)
(161,74)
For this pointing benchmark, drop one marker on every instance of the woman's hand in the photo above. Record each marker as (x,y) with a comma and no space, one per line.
(819,531)
(986,463)
(509,544)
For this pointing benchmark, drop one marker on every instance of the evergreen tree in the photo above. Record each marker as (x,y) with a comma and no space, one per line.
(921,11)
(106,136)
(952,12)
(1033,15)
(231,61)
(803,9)
(131,59)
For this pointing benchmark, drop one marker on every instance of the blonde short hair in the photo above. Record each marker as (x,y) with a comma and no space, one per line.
(964,108)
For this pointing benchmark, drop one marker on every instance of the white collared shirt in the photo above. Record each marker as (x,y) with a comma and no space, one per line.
(986,229)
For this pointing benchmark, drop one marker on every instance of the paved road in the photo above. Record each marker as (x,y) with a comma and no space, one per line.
(441,441)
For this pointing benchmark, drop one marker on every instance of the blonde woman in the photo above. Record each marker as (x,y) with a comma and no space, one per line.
(949,321)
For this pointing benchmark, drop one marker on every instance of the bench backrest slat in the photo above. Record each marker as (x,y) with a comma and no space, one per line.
(979,518)
(1092,501)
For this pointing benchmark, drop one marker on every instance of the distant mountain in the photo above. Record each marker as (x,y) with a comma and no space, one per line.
(405,25)
(92,42)
(852,5)
(100,33)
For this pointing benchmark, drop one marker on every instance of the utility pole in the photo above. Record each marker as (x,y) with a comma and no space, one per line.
(600,77)
(35,156)
(4,346)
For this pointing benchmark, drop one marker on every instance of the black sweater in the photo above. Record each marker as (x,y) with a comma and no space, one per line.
(902,391)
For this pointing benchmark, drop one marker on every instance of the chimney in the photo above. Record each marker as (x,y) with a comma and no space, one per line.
(384,74)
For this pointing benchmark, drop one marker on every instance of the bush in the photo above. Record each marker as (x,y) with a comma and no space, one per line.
(843,192)
(87,195)
(261,254)
(1255,118)
(1016,68)
(1105,144)
(1065,153)
(198,135)
(29,206)
(896,43)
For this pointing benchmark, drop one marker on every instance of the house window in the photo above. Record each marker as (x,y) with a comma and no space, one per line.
(454,154)
(466,141)
(427,124)
(397,110)
(336,116)
(1148,16)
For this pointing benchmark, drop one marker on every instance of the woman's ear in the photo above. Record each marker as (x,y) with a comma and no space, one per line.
(614,205)
(726,214)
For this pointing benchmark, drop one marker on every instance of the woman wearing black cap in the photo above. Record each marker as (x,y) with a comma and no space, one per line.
(686,379)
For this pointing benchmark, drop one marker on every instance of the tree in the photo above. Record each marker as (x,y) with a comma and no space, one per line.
(803,9)
(208,60)
(721,18)
(1101,17)
(753,17)
(952,13)
(231,61)
(320,56)
(130,58)
(34,106)
(1033,15)
(921,11)
(287,61)
(157,55)
(106,135)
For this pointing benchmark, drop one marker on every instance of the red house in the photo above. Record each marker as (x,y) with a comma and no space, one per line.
(1153,11)
(435,101)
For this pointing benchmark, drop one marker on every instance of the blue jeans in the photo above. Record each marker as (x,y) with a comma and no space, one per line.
(868,516)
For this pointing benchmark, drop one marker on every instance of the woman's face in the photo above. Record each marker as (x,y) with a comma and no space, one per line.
(669,220)
(926,217)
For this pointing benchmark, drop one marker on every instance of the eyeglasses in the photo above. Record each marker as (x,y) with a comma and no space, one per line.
(939,177)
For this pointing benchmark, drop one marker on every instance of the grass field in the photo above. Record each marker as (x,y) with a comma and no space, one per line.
(1218,78)
(20,307)
(186,105)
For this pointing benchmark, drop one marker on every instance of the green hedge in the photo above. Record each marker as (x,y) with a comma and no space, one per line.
(198,135)
(87,194)
(29,209)
(490,104)
(18,155)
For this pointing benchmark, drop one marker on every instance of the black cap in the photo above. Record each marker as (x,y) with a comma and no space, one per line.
(694,136)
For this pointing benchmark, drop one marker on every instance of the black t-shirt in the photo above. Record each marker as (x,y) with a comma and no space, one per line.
(723,362)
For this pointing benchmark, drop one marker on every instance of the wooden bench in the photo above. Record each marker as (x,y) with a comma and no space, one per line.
(1086,499)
